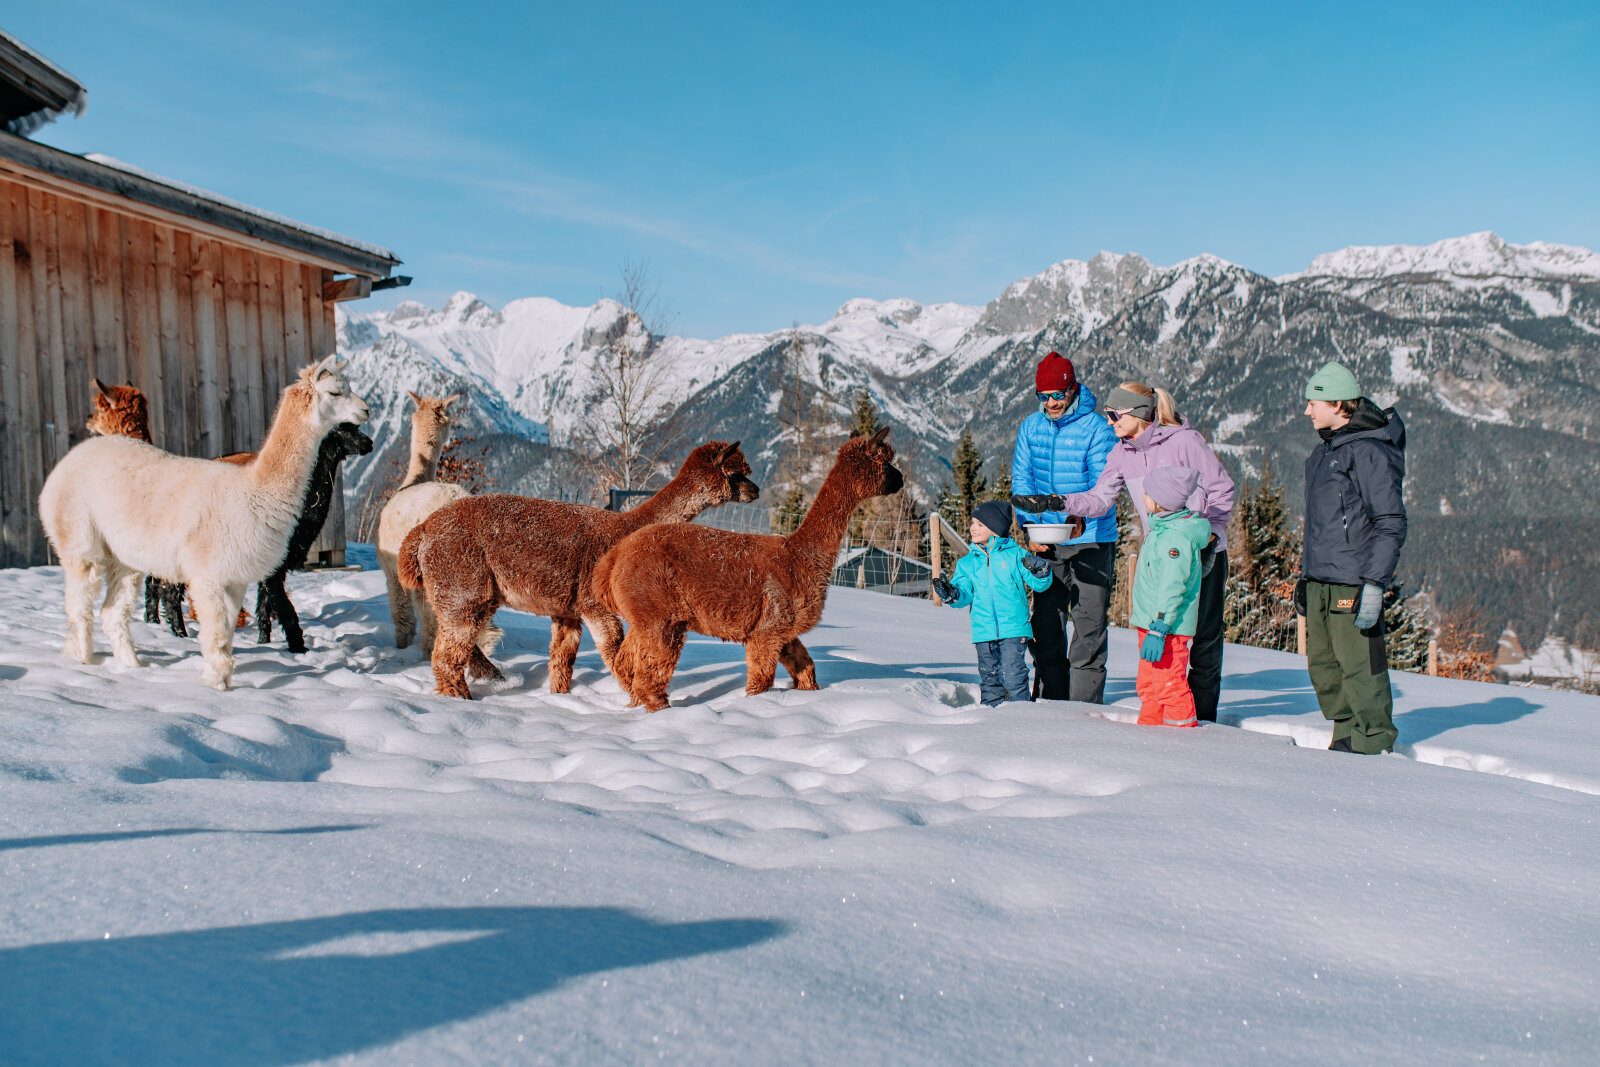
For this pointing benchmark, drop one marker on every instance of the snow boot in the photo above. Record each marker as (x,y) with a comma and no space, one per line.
(1341,745)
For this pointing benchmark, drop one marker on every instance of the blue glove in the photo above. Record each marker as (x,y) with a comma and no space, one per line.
(946,590)
(1155,642)
(1371,607)
(1037,565)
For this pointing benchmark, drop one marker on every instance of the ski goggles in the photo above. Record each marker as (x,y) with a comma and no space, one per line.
(1059,394)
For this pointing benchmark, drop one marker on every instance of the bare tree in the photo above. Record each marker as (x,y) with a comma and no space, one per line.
(625,435)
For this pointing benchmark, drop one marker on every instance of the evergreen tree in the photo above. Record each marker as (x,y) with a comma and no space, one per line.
(790,510)
(1002,483)
(864,419)
(1263,555)
(1406,632)
(969,489)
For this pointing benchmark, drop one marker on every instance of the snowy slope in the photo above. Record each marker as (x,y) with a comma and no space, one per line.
(328,863)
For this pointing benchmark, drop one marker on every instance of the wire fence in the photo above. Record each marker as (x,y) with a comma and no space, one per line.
(883,554)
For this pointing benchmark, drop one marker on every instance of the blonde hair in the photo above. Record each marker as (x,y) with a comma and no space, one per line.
(1166,410)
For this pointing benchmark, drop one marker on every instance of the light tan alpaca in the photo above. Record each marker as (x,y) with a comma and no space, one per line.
(116,508)
(418,497)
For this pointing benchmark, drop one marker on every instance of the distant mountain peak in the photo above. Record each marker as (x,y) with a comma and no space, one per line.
(1475,255)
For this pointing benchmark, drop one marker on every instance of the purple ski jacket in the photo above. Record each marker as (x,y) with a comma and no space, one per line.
(1160,446)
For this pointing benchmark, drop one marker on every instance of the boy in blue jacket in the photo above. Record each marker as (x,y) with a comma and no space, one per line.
(994,579)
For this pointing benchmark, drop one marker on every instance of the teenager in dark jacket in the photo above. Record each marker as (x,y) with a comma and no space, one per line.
(1355,525)
(1062,448)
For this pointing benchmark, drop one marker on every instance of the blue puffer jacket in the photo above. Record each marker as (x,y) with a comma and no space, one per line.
(1065,456)
(995,584)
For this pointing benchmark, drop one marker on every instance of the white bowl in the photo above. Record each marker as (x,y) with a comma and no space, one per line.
(1049,533)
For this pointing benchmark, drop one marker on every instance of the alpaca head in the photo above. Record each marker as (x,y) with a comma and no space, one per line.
(433,413)
(346,440)
(328,398)
(867,463)
(724,468)
(120,411)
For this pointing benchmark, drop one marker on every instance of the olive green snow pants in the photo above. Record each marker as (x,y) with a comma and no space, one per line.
(1349,668)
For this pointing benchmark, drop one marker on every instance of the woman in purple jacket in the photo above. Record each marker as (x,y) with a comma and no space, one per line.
(1151,434)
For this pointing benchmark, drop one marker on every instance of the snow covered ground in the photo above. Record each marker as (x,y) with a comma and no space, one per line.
(328,863)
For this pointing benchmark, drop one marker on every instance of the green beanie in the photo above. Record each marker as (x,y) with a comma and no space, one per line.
(1333,382)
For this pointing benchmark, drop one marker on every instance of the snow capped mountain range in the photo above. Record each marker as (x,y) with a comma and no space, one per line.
(1477,255)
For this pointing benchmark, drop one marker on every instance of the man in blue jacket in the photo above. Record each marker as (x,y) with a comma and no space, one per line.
(1355,525)
(1061,449)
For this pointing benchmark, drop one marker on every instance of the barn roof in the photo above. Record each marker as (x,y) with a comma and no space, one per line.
(126,181)
(33,90)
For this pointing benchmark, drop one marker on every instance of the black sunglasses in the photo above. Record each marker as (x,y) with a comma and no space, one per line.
(1057,395)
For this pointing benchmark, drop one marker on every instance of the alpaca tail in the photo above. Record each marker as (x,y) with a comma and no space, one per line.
(600,582)
(408,566)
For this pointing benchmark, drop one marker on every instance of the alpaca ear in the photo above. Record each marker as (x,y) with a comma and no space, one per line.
(101,386)
(451,399)
(878,438)
(729,450)
(415,399)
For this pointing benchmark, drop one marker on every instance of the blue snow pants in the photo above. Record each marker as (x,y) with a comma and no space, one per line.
(1003,669)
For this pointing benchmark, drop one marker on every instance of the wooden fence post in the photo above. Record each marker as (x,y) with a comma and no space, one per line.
(936,548)
(1433,656)
(1300,633)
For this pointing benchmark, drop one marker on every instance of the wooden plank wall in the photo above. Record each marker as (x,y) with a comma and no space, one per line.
(211,332)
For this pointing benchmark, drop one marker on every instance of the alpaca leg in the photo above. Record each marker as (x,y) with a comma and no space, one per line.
(152,599)
(565,634)
(656,658)
(283,608)
(797,661)
(217,606)
(264,613)
(479,665)
(122,594)
(452,652)
(401,611)
(622,667)
(172,594)
(607,633)
(81,580)
(425,623)
(760,663)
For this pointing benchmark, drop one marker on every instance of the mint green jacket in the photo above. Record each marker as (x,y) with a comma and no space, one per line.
(1166,584)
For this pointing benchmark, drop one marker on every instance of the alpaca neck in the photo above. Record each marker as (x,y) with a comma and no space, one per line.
(816,541)
(680,500)
(284,465)
(426,445)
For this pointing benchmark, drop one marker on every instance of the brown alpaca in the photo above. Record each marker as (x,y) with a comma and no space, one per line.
(119,411)
(533,555)
(763,591)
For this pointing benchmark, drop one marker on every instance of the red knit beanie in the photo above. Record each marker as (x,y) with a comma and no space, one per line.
(1055,373)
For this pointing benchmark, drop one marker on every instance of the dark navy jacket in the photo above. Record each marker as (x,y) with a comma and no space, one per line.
(1355,513)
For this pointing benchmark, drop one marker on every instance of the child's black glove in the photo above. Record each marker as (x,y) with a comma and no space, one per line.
(1039,566)
(1038,503)
(947,591)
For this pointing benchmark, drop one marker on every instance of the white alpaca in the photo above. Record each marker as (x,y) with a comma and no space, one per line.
(117,508)
(418,497)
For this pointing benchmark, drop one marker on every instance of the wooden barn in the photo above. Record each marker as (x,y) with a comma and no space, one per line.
(207,305)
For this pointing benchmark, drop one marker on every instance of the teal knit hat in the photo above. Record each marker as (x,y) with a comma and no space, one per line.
(1333,382)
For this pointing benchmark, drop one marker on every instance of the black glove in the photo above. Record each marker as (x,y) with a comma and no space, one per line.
(1208,559)
(947,591)
(1300,597)
(1039,566)
(1038,503)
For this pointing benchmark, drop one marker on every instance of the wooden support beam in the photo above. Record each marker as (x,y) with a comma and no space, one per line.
(357,287)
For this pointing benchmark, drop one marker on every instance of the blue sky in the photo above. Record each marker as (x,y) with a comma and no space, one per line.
(768,162)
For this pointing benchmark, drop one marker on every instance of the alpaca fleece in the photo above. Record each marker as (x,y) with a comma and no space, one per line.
(533,555)
(418,497)
(762,591)
(115,508)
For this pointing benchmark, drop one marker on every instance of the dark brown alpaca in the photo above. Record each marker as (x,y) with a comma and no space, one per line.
(482,552)
(763,591)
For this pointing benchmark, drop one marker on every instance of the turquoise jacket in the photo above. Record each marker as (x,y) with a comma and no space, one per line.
(1167,582)
(993,581)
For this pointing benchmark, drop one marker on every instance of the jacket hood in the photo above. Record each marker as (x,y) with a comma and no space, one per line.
(1086,405)
(1370,422)
(1153,435)
(1187,523)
